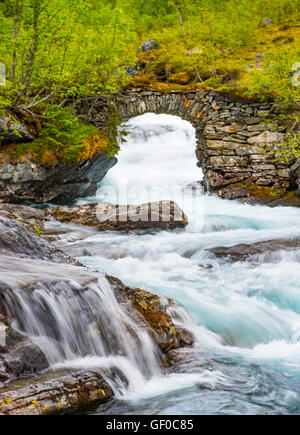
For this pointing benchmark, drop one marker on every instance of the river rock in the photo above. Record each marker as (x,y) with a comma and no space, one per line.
(33,218)
(19,356)
(150,44)
(243,252)
(105,216)
(260,193)
(18,241)
(26,252)
(235,193)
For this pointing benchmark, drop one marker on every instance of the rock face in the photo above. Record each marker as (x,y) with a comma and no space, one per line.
(18,241)
(33,218)
(231,133)
(105,216)
(61,183)
(295,174)
(150,44)
(243,252)
(12,131)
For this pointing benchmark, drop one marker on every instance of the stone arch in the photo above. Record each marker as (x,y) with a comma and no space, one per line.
(230,133)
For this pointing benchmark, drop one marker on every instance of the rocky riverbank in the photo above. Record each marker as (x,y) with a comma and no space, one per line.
(21,358)
(105,216)
(236,148)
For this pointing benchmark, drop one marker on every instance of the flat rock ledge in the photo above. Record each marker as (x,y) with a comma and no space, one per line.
(105,216)
(243,252)
(53,393)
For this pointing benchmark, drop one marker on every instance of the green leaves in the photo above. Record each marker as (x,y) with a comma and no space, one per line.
(78,45)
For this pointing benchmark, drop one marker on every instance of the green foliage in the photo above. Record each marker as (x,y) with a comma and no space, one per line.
(79,47)
(76,47)
(65,137)
(289,150)
(70,48)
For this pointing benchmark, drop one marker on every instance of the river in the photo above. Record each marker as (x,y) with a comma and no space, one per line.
(245,316)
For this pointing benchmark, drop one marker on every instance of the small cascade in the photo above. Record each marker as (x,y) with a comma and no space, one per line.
(76,321)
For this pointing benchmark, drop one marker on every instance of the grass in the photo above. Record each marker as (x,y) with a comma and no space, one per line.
(63,137)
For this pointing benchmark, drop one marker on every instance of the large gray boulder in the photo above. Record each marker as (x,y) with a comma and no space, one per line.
(243,252)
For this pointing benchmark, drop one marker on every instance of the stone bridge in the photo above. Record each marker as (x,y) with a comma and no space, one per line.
(231,135)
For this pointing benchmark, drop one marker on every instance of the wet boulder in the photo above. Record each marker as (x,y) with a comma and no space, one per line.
(33,218)
(18,241)
(243,252)
(106,216)
(19,356)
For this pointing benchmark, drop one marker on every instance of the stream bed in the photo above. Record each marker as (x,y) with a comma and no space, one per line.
(245,316)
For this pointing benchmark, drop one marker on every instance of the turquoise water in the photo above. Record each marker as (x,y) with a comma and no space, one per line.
(245,316)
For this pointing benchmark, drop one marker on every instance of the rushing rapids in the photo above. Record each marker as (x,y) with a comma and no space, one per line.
(244,312)
(245,315)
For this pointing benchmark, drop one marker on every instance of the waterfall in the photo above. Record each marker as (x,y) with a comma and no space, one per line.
(75,319)
(244,315)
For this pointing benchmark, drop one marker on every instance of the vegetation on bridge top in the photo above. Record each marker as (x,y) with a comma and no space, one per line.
(58,49)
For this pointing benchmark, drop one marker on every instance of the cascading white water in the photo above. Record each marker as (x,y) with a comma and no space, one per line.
(245,316)
(76,320)
(244,313)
